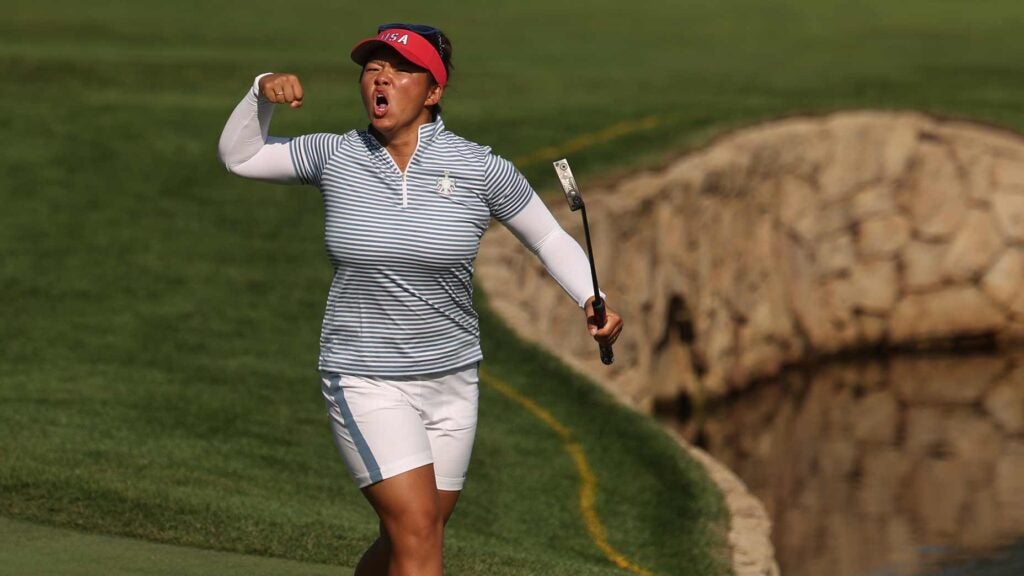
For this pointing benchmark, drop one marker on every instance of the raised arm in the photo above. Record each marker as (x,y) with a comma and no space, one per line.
(245,147)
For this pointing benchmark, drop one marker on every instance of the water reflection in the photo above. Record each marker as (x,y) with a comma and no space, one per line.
(1006,562)
(887,466)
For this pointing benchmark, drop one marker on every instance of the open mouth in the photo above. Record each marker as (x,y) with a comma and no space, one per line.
(380,104)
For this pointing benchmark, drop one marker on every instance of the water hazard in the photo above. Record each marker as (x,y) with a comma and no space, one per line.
(905,465)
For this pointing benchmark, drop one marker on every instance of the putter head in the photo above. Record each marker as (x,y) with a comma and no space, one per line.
(572,191)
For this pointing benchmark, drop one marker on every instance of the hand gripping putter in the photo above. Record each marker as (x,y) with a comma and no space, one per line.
(572,194)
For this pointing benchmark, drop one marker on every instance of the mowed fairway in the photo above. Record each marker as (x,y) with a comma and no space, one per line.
(160,317)
(43,551)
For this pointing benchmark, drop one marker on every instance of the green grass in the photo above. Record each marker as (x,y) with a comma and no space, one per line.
(159,317)
(242,461)
(35,550)
(528,74)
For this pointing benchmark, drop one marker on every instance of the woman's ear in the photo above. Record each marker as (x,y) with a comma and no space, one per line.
(434,96)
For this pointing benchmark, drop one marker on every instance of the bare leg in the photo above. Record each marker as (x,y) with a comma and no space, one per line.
(403,502)
(448,500)
(375,560)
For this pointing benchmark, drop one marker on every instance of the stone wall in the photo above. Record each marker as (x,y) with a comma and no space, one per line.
(787,241)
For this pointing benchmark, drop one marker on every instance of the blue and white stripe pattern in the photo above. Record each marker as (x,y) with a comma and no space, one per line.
(402,246)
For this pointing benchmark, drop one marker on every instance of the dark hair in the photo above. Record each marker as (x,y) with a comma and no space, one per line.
(444,50)
(438,40)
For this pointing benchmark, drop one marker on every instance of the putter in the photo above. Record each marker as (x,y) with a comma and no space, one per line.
(572,194)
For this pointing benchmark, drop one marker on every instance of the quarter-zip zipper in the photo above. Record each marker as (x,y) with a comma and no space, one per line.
(404,173)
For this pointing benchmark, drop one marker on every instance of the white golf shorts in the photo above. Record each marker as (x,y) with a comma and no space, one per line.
(384,426)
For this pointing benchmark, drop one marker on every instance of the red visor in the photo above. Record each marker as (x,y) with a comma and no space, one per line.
(410,45)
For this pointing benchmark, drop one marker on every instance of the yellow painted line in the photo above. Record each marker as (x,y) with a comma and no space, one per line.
(588,481)
(552,153)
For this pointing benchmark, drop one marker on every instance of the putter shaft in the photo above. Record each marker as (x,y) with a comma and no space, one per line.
(575,199)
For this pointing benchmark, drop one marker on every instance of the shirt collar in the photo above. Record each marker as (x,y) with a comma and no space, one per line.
(426,132)
(430,130)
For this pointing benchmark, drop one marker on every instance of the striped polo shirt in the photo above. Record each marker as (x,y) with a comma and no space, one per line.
(402,246)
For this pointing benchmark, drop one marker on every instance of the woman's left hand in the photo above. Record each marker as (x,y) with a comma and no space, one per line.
(609,333)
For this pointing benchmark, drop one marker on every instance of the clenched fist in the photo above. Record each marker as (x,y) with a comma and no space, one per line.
(282,89)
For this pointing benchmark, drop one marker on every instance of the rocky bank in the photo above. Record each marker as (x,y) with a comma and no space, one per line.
(785,242)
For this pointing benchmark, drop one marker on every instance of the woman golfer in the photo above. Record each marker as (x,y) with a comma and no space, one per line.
(406,203)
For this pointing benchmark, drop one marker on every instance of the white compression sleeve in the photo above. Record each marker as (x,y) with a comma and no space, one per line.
(247,150)
(563,257)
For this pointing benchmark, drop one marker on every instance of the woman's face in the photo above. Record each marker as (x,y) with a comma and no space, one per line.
(396,93)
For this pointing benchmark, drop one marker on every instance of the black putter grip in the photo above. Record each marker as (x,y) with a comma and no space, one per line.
(600,317)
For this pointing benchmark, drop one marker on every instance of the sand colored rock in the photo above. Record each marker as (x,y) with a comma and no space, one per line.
(1008,208)
(875,286)
(957,310)
(973,249)
(1004,281)
(933,193)
(921,263)
(882,236)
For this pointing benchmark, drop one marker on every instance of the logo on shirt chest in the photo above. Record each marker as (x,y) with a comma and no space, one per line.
(445,185)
